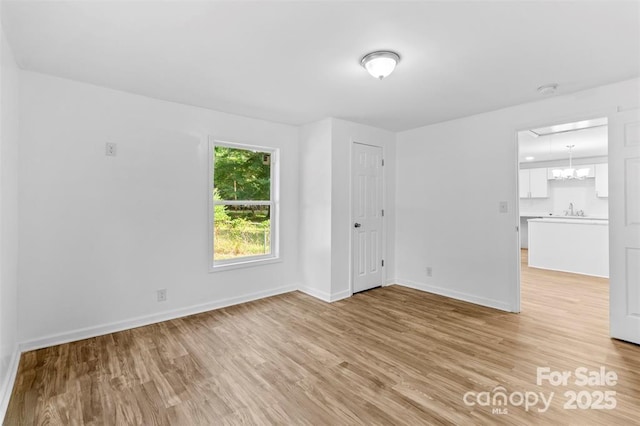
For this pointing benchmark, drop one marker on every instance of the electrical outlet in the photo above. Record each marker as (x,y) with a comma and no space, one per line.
(429,271)
(110,149)
(162,295)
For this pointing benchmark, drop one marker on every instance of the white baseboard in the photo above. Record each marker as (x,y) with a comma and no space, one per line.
(454,294)
(340,295)
(9,381)
(88,332)
(323,295)
(318,294)
(568,271)
(390,281)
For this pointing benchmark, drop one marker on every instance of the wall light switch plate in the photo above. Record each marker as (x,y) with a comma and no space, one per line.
(162,295)
(110,149)
(503,207)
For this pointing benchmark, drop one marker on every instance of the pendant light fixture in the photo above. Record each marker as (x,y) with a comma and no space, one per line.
(570,172)
(381,63)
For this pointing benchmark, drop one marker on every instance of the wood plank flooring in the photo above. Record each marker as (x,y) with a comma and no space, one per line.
(388,356)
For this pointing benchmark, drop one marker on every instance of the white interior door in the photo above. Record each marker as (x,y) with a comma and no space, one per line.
(624,225)
(367,216)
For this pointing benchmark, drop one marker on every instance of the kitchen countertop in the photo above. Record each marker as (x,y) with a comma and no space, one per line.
(573,220)
(561,216)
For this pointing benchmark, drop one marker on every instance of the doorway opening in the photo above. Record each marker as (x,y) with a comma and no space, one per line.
(563,210)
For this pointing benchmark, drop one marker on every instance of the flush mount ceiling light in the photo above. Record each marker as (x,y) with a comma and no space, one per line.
(381,63)
(548,89)
(529,158)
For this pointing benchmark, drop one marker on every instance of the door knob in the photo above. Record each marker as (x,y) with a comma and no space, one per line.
(357,225)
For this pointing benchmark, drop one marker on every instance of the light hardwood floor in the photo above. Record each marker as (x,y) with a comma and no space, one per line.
(388,356)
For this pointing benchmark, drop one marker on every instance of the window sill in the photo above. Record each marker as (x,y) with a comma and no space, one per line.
(241,264)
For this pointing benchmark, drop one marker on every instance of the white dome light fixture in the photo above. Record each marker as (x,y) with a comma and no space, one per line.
(381,63)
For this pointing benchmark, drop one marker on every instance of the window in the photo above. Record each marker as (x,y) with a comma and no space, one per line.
(243,194)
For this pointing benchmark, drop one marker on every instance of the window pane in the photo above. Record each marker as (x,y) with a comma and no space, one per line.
(241,231)
(241,174)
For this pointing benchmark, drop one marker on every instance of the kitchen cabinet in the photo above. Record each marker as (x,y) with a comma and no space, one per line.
(602,180)
(533,183)
(579,246)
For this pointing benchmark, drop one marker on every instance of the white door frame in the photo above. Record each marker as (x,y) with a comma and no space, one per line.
(623,233)
(516,288)
(384,221)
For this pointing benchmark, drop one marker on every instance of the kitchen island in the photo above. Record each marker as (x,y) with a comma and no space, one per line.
(574,244)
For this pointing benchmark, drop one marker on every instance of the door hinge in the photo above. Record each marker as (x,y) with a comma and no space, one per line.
(382,212)
(382,262)
(517,229)
(383,161)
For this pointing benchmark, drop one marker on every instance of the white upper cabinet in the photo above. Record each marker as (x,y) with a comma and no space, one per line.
(538,185)
(602,180)
(533,183)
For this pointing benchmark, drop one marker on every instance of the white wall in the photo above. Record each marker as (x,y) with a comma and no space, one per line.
(100,234)
(9,102)
(314,236)
(451,177)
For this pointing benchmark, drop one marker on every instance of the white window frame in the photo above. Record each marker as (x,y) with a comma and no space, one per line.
(273,203)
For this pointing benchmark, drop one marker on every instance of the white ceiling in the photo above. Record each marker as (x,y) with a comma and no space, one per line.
(297,62)
(590,142)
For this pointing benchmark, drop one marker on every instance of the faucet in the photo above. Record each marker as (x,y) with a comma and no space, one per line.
(570,211)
